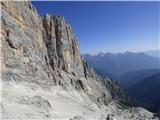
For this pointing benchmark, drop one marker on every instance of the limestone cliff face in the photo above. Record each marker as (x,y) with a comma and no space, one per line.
(42,68)
(42,49)
(62,47)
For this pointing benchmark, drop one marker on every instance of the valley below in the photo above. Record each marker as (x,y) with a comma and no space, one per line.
(139,76)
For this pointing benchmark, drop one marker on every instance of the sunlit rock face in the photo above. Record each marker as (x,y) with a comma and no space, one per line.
(62,47)
(43,74)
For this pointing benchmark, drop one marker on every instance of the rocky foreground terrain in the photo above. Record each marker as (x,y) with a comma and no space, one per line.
(44,76)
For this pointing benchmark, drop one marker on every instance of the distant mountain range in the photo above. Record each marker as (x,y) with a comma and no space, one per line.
(139,73)
(147,92)
(153,53)
(131,78)
(108,64)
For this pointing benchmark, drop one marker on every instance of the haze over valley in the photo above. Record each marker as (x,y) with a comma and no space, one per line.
(138,73)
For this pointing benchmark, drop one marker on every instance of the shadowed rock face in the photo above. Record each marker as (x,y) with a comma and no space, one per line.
(43,74)
(62,47)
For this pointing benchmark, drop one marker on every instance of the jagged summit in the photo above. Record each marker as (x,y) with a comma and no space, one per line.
(44,76)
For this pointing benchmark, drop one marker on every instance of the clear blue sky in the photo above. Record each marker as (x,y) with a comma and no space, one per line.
(109,26)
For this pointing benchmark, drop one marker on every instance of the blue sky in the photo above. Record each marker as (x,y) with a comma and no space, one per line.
(109,26)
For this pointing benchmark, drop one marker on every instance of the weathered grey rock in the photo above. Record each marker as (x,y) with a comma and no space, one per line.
(62,47)
(14,41)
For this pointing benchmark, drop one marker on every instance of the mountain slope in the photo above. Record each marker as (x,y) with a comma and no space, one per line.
(131,78)
(153,53)
(115,64)
(147,92)
(44,76)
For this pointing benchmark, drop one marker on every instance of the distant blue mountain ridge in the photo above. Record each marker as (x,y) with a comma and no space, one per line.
(153,53)
(116,64)
(138,73)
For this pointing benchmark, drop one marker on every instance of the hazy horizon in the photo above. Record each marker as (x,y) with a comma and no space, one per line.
(114,27)
(119,52)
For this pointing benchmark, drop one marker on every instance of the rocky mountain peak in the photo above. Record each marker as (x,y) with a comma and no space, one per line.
(63,50)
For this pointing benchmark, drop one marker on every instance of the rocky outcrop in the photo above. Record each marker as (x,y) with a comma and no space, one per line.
(61,44)
(43,74)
